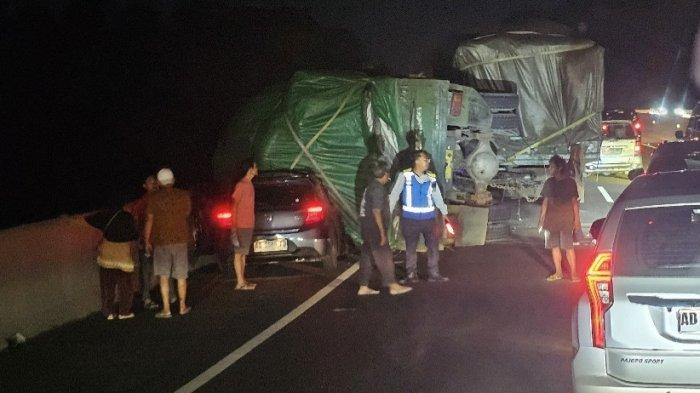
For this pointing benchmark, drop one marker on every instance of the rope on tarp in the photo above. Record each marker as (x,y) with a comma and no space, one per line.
(328,183)
(325,127)
(551,136)
(529,55)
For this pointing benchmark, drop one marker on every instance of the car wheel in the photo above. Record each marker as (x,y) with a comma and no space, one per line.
(330,260)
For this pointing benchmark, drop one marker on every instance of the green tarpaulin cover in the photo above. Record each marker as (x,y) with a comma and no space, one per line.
(327,122)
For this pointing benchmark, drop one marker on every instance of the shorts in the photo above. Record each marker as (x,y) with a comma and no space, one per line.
(171,260)
(245,239)
(559,239)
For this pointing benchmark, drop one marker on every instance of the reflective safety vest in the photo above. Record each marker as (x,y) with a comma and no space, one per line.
(417,197)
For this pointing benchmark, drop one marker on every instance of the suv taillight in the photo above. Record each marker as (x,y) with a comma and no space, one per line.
(600,294)
(314,214)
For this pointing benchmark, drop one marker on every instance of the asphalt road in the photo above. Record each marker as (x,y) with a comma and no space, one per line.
(497,326)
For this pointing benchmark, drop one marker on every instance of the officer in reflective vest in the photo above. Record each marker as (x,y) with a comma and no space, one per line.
(420,197)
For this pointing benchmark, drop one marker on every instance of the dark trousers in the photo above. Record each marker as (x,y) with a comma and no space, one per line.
(372,251)
(112,280)
(411,230)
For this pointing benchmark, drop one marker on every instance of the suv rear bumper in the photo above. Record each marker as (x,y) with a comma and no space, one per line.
(590,376)
(599,167)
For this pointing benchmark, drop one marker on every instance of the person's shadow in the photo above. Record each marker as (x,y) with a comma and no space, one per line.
(362,177)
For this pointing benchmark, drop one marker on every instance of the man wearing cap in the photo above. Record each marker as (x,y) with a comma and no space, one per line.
(167,234)
(420,198)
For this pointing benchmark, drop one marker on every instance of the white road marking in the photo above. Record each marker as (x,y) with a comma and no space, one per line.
(607,196)
(251,344)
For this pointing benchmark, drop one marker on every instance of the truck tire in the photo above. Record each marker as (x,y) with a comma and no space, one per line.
(497,231)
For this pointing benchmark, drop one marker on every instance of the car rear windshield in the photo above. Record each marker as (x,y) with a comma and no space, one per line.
(619,131)
(276,195)
(659,241)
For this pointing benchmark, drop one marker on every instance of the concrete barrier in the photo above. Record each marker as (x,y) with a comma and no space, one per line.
(49,275)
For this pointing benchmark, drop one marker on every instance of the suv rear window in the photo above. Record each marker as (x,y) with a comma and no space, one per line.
(675,157)
(276,195)
(619,131)
(659,241)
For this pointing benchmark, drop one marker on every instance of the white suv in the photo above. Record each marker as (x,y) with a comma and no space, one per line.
(637,328)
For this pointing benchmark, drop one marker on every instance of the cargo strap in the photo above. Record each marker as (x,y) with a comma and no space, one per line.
(549,137)
(527,56)
(323,129)
(327,182)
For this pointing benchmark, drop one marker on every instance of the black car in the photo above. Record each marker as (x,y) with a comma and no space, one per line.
(295,221)
(675,156)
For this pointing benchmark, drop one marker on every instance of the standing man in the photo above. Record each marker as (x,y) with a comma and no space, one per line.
(374,218)
(147,279)
(167,234)
(420,196)
(243,222)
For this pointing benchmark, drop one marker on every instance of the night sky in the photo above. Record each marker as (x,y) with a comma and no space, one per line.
(97,95)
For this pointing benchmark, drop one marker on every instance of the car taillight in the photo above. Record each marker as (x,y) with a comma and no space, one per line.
(637,126)
(314,214)
(605,127)
(600,294)
(222,216)
(637,147)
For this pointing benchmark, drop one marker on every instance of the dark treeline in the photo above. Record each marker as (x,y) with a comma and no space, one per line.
(97,94)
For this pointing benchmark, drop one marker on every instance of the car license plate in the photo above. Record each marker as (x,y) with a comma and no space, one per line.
(688,320)
(613,150)
(270,245)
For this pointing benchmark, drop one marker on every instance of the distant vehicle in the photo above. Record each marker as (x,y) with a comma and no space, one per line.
(693,131)
(620,114)
(295,221)
(675,156)
(637,327)
(620,150)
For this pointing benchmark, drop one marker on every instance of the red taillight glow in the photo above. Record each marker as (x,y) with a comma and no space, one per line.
(605,127)
(600,294)
(222,216)
(314,214)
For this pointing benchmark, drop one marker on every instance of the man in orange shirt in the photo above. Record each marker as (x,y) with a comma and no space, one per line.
(243,222)
(166,235)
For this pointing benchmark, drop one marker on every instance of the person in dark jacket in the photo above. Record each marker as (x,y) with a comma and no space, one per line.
(117,256)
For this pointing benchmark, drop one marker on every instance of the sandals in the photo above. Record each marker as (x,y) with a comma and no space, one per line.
(186,311)
(164,315)
(246,287)
(555,277)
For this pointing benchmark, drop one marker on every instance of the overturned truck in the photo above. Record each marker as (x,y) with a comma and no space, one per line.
(524,98)
(545,94)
